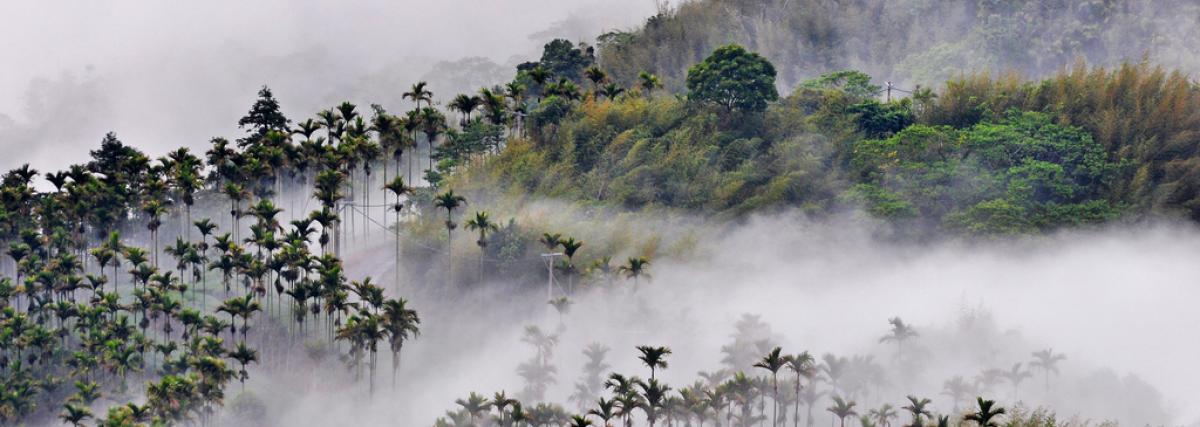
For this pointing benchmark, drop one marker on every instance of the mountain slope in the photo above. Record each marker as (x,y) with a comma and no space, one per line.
(908,41)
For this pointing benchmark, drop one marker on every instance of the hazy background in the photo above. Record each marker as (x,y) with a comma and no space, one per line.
(1116,302)
(170,74)
(1120,304)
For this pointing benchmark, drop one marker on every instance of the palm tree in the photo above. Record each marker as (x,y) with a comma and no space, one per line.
(653,357)
(570,247)
(411,124)
(802,365)
(842,409)
(401,324)
(465,104)
(635,269)
(1015,376)
(883,415)
(550,240)
(475,404)
(986,413)
(328,190)
(612,91)
(916,407)
(956,389)
(187,182)
(517,414)
(332,123)
(398,188)
(564,88)
(604,410)
(773,362)
(810,396)
(1047,361)
(580,421)
(388,129)
(433,123)
(449,201)
(483,224)
(539,75)
(900,333)
(649,82)
(500,401)
(419,93)
(562,305)
(74,415)
(244,307)
(596,75)
(154,210)
(236,193)
(244,355)
(654,396)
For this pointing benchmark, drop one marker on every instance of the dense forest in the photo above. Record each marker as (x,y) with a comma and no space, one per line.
(138,290)
(980,155)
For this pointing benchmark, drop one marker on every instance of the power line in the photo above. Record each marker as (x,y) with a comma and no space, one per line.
(440,251)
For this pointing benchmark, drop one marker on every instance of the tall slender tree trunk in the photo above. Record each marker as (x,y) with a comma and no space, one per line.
(154,237)
(385,197)
(775,400)
(396,265)
(796,410)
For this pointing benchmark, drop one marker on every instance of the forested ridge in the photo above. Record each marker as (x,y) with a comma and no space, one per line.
(981,154)
(1090,129)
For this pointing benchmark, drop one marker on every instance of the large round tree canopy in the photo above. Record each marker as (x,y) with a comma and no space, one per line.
(734,79)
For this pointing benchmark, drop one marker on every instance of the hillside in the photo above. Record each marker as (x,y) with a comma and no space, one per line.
(982,155)
(731,166)
(909,42)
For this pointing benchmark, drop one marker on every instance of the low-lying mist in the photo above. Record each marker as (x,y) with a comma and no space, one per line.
(1116,302)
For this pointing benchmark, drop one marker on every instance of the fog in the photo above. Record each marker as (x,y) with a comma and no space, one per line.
(170,74)
(1119,302)
(1116,302)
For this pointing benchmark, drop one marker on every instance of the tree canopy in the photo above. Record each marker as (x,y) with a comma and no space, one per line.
(734,79)
(264,116)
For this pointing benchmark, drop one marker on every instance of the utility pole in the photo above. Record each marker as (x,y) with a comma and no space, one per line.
(889,91)
(550,274)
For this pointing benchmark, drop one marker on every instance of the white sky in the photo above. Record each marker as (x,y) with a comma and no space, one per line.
(166,74)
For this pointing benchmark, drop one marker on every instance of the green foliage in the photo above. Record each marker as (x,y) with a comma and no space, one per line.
(853,83)
(1144,117)
(1020,174)
(475,139)
(264,116)
(878,120)
(984,157)
(566,60)
(638,152)
(734,79)
(550,111)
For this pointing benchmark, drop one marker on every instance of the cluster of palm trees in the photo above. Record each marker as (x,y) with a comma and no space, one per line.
(85,301)
(737,399)
(83,304)
(756,373)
